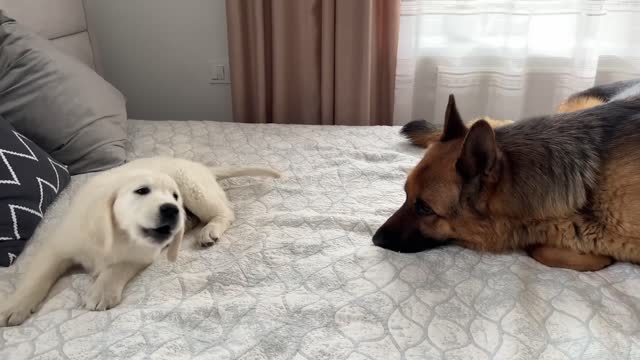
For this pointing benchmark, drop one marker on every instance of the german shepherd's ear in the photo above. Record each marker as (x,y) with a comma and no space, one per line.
(479,151)
(454,127)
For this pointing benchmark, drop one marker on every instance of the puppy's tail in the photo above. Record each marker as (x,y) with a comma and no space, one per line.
(225,172)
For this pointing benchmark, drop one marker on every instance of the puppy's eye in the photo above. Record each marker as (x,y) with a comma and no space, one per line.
(142,191)
(422,209)
(175,196)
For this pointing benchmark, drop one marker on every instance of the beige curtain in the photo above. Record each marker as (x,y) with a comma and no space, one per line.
(313,61)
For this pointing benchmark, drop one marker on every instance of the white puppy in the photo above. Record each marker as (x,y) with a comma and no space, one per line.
(119,222)
(202,195)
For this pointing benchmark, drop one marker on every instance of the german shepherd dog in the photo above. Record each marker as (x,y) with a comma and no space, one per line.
(564,187)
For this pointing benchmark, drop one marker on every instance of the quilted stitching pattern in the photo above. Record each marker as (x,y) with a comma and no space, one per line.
(296,276)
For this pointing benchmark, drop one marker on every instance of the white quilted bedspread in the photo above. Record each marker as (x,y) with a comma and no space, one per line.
(296,276)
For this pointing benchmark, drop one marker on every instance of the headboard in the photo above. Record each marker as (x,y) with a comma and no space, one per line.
(61,21)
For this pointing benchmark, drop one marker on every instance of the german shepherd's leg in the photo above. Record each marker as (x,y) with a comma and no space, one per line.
(569,259)
(609,228)
(592,242)
(613,226)
(563,257)
(562,243)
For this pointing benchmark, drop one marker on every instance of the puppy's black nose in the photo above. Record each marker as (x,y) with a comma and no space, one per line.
(169,211)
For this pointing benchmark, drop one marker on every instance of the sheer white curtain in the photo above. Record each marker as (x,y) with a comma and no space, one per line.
(510,58)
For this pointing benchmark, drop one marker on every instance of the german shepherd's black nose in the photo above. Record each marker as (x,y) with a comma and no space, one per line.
(169,212)
(407,241)
(380,239)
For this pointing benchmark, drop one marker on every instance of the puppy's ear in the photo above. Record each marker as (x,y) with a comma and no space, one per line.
(479,151)
(102,223)
(174,246)
(109,224)
(454,127)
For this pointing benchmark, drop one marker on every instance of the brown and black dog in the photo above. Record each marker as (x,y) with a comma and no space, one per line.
(565,187)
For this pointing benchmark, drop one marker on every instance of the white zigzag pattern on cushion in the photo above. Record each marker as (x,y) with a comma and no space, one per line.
(16,181)
(12,258)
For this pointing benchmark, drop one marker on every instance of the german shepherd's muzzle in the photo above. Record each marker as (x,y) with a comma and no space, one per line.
(400,234)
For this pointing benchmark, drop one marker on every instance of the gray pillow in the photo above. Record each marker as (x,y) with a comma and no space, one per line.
(59,103)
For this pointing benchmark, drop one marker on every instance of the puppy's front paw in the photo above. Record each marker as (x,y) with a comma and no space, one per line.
(209,235)
(15,313)
(102,298)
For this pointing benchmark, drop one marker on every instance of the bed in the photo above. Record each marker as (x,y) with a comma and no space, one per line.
(296,276)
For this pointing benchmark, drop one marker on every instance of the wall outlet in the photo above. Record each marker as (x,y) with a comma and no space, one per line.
(219,72)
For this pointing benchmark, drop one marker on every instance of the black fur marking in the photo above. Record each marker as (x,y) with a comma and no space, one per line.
(578,231)
(556,160)
(454,127)
(469,195)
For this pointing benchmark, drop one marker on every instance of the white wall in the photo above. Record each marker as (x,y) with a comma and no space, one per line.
(157,53)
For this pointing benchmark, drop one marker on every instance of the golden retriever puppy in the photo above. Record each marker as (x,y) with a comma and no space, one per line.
(203,196)
(118,224)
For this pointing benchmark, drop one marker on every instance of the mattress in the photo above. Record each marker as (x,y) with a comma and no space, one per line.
(296,276)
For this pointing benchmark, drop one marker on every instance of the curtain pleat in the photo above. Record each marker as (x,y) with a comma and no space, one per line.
(313,61)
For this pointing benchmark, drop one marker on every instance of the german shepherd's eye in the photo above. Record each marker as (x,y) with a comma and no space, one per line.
(142,191)
(422,209)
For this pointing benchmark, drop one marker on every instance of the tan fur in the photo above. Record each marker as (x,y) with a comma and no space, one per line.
(579,103)
(495,123)
(550,239)
(618,202)
(558,257)
(549,236)
(424,140)
(616,235)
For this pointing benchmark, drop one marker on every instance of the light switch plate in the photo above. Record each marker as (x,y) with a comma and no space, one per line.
(219,71)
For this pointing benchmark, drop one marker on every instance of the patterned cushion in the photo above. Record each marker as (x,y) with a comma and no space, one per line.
(30,180)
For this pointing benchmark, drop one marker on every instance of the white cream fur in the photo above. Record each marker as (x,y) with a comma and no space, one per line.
(102,232)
